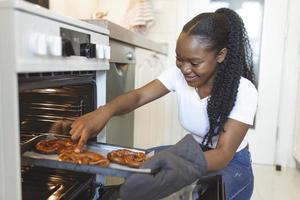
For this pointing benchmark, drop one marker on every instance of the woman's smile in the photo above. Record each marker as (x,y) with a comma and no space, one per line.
(190,78)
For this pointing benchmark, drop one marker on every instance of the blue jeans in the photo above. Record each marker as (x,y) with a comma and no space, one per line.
(237,175)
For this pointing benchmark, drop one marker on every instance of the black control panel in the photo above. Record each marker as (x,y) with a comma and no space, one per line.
(76,43)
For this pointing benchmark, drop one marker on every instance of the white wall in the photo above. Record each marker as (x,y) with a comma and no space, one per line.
(79,9)
(289,87)
(116,10)
(84,9)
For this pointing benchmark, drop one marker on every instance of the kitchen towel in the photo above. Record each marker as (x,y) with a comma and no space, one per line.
(140,15)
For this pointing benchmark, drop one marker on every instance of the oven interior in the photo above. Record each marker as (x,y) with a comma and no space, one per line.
(48,103)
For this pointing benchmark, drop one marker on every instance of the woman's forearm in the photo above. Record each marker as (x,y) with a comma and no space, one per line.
(123,104)
(136,98)
(216,159)
(227,145)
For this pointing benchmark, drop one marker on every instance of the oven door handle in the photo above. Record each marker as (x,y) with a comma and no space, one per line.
(121,68)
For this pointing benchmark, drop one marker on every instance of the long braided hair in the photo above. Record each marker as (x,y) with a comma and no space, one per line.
(223,29)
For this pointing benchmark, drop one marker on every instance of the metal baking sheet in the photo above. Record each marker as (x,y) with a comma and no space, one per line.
(27,141)
(33,158)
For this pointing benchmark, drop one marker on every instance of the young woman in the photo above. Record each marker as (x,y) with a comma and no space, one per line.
(217,103)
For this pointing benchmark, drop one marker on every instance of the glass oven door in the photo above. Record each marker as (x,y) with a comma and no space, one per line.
(48,103)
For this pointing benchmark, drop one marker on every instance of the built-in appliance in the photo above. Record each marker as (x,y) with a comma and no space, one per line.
(48,103)
(53,69)
(120,79)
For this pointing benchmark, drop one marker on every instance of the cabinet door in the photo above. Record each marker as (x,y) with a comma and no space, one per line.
(148,119)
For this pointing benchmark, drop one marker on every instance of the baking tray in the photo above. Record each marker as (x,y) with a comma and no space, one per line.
(32,157)
(28,140)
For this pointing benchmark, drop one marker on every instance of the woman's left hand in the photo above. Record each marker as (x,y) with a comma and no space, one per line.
(176,170)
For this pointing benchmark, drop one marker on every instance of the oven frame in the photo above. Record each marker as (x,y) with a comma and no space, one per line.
(12,63)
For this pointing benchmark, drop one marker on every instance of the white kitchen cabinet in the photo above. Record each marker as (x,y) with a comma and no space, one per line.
(149,119)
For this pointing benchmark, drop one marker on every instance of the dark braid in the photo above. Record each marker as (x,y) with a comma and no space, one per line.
(223,29)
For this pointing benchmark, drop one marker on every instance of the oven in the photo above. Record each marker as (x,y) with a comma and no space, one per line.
(48,103)
(120,79)
(53,70)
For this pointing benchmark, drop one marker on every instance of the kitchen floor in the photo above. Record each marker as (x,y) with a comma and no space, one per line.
(275,185)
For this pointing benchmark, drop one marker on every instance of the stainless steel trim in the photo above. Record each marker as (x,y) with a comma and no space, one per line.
(121,52)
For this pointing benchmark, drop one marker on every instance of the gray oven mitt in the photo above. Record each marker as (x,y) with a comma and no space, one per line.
(180,165)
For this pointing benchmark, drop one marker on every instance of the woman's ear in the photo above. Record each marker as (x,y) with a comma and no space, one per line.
(221,55)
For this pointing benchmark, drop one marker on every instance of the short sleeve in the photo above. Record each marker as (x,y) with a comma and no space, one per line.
(246,103)
(169,78)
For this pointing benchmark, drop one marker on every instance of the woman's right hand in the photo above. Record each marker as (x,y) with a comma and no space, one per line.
(92,123)
(88,125)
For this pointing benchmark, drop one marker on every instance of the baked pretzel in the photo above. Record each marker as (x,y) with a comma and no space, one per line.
(53,146)
(85,157)
(127,157)
(65,150)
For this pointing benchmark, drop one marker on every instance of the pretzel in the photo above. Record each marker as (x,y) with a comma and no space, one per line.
(85,157)
(53,146)
(65,150)
(127,157)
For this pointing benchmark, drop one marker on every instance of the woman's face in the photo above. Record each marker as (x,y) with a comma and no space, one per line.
(197,64)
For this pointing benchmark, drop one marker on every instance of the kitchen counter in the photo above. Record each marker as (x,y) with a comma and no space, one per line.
(122,34)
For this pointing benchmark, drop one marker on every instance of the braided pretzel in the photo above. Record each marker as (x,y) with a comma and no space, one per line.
(53,146)
(65,150)
(127,157)
(85,157)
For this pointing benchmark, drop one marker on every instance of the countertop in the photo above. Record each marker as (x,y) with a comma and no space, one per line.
(122,34)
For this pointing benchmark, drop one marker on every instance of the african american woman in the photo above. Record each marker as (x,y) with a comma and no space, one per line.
(217,102)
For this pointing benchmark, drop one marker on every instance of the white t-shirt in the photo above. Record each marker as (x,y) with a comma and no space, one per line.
(192,109)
